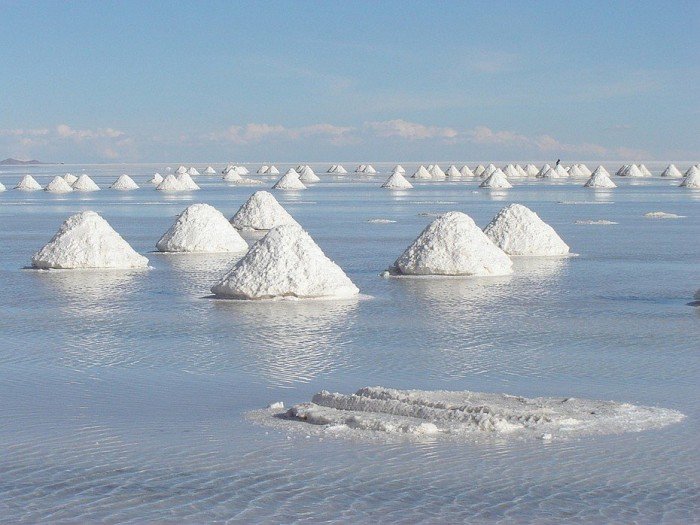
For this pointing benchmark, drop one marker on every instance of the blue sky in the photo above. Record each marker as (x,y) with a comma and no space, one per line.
(323,81)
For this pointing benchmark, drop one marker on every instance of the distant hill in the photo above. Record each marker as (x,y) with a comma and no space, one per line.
(15,162)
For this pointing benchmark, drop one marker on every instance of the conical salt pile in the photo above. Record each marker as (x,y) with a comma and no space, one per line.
(86,240)
(622,171)
(576,172)
(156,179)
(397,182)
(520,170)
(510,172)
(479,170)
(201,228)
(436,173)
(170,183)
(28,183)
(231,175)
(672,172)
(273,171)
(645,171)
(289,181)
(398,169)
(58,185)
(584,169)
(261,212)
(307,175)
(496,180)
(453,245)
(181,169)
(263,169)
(360,169)
(531,170)
(186,182)
(340,169)
(561,171)
(600,179)
(544,170)
(332,169)
(285,263)
(453,173)
(421,173)
(466,172)
(692,179)
(70,178)
(488,171)
(242,170)
(369,169)
(517,230)
(85,183)
(2,187)
(192,171)
(632,171)
(210,171)
(124,182)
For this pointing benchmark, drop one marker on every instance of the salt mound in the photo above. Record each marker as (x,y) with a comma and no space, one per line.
(232,175)
(397,182)
(201,228)
(645,171)
(86,240)
(28,183)
(576,172)
(156,179)
(186,182)
(170,183)
(340,169)
(520,170)
(584,169)
(692,179)
(273,171)
(263,169)
(466,172)
(369,169)
(398,169)
(453,173)
(633,172)
(488,171)
(85,183)
(192,171)
(496,180)
(623,170)
(672,172)
(360,169)
(561,171)
(510,171)
(181,169)
(479,170)
(307,175)
(261,212)
(285,263)
(70,178)
(242,170)
(421,173)
(545,169)
(332,169)
(600,179)
(289,181)
(58,185)
(2,187)
(124,182)
(453,245)
(465,415)
(531,170)
(436,173)
(517,230)
(210,171)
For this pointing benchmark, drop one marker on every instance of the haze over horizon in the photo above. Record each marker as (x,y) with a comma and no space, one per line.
(324,81)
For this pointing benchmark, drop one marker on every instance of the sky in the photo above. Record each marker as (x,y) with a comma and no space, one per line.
(134,81)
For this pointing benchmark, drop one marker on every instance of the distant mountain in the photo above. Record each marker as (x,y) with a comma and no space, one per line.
(15,162)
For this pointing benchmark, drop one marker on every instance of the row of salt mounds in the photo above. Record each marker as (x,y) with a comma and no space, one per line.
(453,245)
(497,180)
(70,178)
(86,240)
(422,173)
(307,175)
(58,185)
(156,179)
(517,230)
(631,170)
(397,181)
(365,168)
(201,228)
(28,183)
(337,168)
(170,183)
(124,183)
(85,183)
(692,179)
(286,263)
(269,170)
(465,415)
(672,172)
(261,212)
(289,181)
(600,179)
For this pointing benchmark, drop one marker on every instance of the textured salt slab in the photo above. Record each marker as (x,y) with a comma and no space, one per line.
(28,183)
(286,263)
(453,245)
(124,183)
(2,187)
(261,212)
(517,230)
(381,413)
(86,240)
(201,228)
(397,182)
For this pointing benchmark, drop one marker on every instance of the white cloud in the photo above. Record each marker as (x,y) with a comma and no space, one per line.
(65,131)
(410,130)
(254,133)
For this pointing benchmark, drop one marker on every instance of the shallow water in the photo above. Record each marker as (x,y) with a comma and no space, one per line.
(124,394)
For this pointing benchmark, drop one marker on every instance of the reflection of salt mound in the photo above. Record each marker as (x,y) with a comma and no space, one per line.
(289,181)
(201,228)
(692,179)
(186,182)
(192,171)
(397,182)
(210,171)
(672,172)
(421,173)
(170,183)
(58,185)
(496,180)
(517,230)
(307,175)
(85,183)
(156,179)
(479,170)
(285,263)
(124,182)
(600,179)
(261,212)
(453,245)
(472,414)
(28,183)
(86,240)
(70,178)
(273,171)
(453,173)
(466,172)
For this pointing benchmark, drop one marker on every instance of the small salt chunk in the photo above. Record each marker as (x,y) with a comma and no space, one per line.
(279,405)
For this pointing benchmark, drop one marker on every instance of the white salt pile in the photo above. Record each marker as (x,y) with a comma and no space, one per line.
(576,172)
(231,175)
(380,412)
(600,179)
(70,178)
(622,170)
(497,180)
(286,263)
(662,215)
(692,179)
(289,181)
(545,169)
(192,171)
(181,169)
(632,171)
(2,187)
(672,172)
(453,173)
(242,170)
(28,183)
(85,183)
(201,228)
(170,183)
(210,171)
(229,167)
(124,182)
(645,171)
(397,182)
(520,170)
(273,170)
(186,182)
(381,221)
(517,230)
(452,245)
(584,169)
(436,173)
(399,169)
(510,171)
(263,169)
(58,185)
(332,169)
(360,169)
(479,170)
(369,169)
(307,175)
(421,173)
(560,171)
(340,169)
(466,172)
(156,179)
(261,212)
(86,240)
(531,170)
